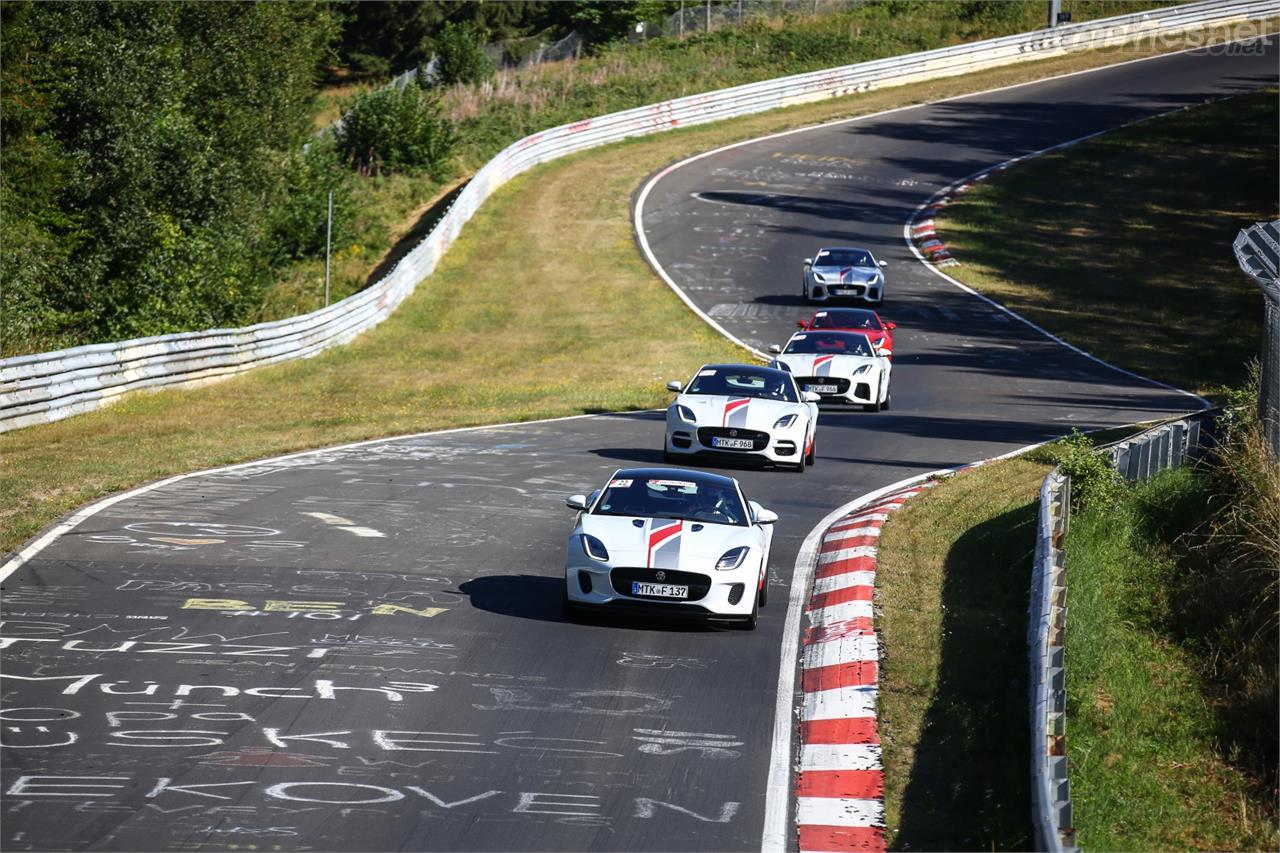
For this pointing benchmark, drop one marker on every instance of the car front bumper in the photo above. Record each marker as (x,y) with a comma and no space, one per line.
(720,594)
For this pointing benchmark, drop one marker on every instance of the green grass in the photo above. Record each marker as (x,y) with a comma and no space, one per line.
(953,573)
(1149,746)
(559,341)
(1122,244)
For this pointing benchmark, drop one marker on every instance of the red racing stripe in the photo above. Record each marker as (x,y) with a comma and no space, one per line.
(862,673)
(851,784)
(843,730)
(853,564)
(862,838)
(861,592)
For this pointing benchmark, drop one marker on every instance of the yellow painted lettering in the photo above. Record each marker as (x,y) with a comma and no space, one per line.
(296,606)
(215,604)
(392,609)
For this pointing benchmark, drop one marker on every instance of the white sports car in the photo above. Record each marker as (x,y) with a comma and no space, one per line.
(843,273)
(841,367)
(738,411)
(669,540)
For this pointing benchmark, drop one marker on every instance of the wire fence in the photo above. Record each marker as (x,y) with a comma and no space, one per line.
(1258,252)
(706,17)
(512,53)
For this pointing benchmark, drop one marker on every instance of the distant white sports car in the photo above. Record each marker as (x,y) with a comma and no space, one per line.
(841,367)
(738,411)
(843,273)
(669,540)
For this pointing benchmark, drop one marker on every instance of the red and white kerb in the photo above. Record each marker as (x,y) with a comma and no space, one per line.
(840,786)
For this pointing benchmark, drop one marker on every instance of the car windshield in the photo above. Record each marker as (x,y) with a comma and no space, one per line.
(843,258)
(829,343)
(744,382)
(672,497)
(845,318)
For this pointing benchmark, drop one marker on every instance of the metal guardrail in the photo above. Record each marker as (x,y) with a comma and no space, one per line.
(1140,457)
(49,386)
(1257,250)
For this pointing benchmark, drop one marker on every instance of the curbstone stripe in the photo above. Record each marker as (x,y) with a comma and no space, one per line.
(840,783)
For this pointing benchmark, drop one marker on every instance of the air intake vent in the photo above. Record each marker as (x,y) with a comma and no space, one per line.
(584,582)
(735,593)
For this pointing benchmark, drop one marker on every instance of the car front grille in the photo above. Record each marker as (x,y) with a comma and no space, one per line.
(759,440)
(622,578)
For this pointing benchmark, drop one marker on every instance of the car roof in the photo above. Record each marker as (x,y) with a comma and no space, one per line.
(670,473)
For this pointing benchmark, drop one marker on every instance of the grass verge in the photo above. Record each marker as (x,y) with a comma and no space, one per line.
(1139,225)
(586,331)
(953,572)
(1170,744)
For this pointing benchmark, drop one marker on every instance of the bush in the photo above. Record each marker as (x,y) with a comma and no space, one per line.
(1094,483)
(298,226)
(460,55)
(396,130)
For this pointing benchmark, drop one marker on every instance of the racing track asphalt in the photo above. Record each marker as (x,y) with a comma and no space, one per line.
(385,665)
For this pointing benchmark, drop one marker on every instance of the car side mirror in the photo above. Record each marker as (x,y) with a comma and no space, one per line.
(884,263)
(775,349)
(800,324)
(673,385)
(891,326)
(811,397)
(808,262)
(766,516)
(578,502)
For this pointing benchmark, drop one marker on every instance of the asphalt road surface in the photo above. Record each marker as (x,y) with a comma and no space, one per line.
(363,649)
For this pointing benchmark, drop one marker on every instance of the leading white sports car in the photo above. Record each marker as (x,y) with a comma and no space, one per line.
(742,411)
(842,367)
(843,273)
(669,540)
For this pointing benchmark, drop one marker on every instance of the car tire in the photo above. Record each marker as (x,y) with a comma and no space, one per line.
(762,595)
(888,398)
(749,624)
(812,455)
(669,457)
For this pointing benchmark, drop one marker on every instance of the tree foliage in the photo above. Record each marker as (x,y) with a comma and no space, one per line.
(149,162)
(460,54)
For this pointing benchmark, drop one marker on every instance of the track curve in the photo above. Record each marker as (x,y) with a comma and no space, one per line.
(361,648)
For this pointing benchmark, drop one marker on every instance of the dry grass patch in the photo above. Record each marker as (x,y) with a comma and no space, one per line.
(542,308)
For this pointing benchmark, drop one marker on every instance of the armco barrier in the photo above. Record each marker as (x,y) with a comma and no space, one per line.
(54,385)
(1138,458)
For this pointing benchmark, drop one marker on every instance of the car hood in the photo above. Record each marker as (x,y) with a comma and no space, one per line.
(817,364)
(847,275)
(663,543)
(713,410)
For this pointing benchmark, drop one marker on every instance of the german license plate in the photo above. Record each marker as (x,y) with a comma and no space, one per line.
(821,389)
(665,590)
(732,443)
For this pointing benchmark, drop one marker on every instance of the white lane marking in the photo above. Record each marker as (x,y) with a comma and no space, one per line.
(330,519)
(840,703)
(843,580)
(840,756)
(854,648)
(367,532)
(846,554)
(850,533)
(839,811)
(842,612)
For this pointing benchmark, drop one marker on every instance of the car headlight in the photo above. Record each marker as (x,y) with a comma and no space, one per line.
(862,370)
(785,421)
(875,279)
(593,547)
(819,279)
(686,414)
(732,558)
